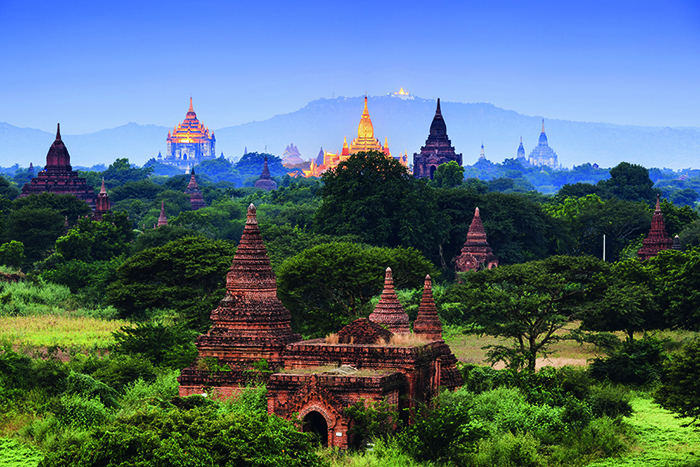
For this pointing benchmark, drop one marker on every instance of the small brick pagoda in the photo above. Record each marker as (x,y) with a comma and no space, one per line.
(315,380)
(195,194)
(658,239)
(476,252)
(59,177)
(162,220)
(102,205)
(265,181)
(438,149)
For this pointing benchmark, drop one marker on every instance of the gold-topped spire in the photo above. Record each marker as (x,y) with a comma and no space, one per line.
(365,129)
(543,125)
(191,108)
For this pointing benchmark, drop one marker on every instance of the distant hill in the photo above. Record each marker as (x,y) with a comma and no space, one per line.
(324,123)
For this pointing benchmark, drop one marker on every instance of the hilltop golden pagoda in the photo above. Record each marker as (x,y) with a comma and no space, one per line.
(365,141)
(189,143)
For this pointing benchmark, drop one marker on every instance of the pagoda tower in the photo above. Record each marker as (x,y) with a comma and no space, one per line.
(250,322)
(427,323)
(657,239)
(195,194)
(59,177)
(476,252)
(438,149)
(389,311)
(102,206)
(542,154)
(162,220)
(265,181)
(365,140)
(189,143)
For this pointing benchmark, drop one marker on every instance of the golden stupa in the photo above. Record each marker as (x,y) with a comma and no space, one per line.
(365,141)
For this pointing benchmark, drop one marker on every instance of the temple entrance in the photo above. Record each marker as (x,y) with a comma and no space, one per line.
(314,422)
(432,172)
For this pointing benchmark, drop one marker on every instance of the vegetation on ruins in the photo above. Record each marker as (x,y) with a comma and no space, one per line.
(108,311)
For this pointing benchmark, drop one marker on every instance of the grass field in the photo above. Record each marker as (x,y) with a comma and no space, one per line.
(62,331)
(662,441)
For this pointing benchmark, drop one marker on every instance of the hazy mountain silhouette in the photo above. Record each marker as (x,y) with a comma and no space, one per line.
(324,123)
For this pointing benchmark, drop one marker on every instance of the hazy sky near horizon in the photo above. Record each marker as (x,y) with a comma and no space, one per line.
(95,65)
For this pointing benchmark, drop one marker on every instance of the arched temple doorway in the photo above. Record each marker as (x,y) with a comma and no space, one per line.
(314,422)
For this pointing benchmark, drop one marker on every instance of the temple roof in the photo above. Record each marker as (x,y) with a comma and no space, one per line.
(427,322)
(265,181)
(521,149)
(543,136)
(190,130)
(196,198)
(476,251)
(250,312)
(162,220)
(365,140)
(389,311)
(363,331)
(58,158)
(365,128)
(658,239)
(438,128)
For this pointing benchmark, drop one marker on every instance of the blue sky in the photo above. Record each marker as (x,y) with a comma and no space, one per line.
(95,65)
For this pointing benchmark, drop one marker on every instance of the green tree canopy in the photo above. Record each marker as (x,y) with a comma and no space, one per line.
(528,303)
(186,275)
(377,199)
(121,171)
(630,182)
(448,175)
(329,285)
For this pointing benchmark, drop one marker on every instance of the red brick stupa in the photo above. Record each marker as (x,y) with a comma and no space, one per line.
(195,194)
(59,177)
(265,181)
(389,311)
(162,220)
(657,239)
(427,323)
(476,252)
(103,206)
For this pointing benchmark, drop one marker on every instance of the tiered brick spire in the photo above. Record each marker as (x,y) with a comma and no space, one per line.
(389,311)
(250,314)
(102,205)
(657,239)
(427,322)
(476,252)
(437,150)
(265,181)
(162,220)
(195,194)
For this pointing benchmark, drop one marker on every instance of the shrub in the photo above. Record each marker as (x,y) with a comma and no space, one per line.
(637,362)
(141,394)
(197,437)
(680,392)
(371,420)
(611,401)
(81,412)
(444,430)
(169,346)
(119,370)
(87,386)
(508,450)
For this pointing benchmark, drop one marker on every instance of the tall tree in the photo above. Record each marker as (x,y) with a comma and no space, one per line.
(377,199)
(528,304)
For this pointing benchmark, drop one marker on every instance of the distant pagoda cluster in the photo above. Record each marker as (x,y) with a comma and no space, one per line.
(541,156)
(189,143)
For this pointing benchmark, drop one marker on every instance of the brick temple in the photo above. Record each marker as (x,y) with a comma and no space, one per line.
(438,149)
(195,194)
(658,239)
(265,181)
(476,253)
(59,177)
(375,359)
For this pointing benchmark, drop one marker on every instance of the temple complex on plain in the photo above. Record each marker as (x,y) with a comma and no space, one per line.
(375,359)
(365,141)
(189,143)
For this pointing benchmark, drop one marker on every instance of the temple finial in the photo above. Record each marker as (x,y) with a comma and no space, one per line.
(658,204)
(58,132)
(103,191)
(543,125)
(438,111)
(191,109)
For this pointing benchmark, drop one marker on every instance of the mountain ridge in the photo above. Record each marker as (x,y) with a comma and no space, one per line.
(324,122)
